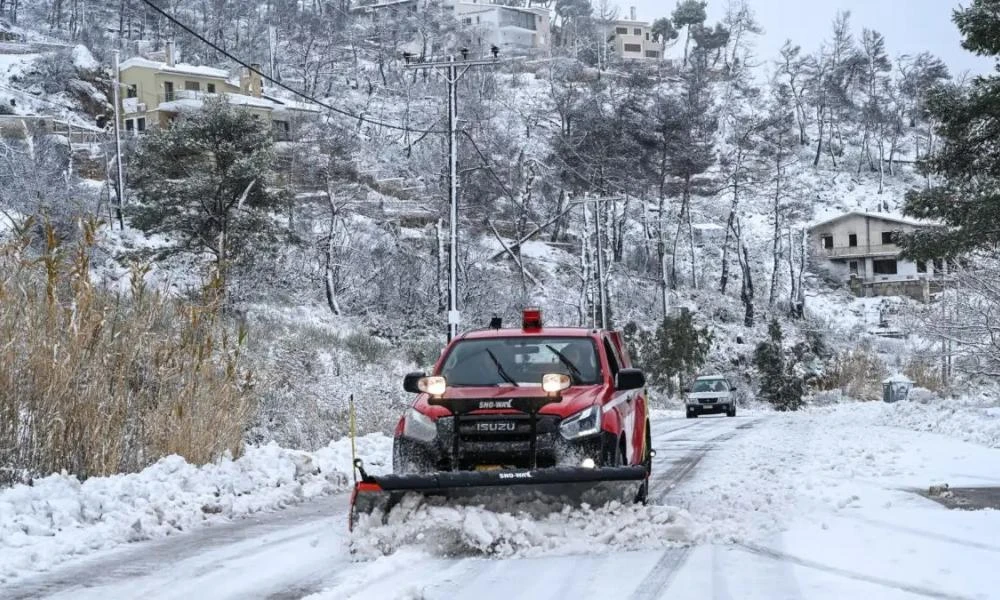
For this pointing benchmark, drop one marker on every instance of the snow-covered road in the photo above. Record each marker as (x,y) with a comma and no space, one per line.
(812,505)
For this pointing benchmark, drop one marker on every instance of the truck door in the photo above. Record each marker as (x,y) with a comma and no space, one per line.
(625,403)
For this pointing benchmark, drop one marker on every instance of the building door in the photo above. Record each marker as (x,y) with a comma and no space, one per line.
(168,91)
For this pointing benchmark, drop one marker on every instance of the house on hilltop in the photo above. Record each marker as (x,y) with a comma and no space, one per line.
(155,93)
(488,22)
(634,40)
(861,248)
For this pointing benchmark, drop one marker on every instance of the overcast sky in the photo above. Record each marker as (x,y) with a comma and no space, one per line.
(909,26)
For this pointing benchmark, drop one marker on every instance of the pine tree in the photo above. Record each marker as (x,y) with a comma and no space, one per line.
(204,182)
(966,194)
(677,349)
(780,385)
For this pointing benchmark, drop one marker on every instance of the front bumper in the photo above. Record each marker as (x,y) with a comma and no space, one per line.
(500,441)
(709,408)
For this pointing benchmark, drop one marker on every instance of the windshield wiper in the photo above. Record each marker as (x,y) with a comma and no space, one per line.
(577,375)
(500,369)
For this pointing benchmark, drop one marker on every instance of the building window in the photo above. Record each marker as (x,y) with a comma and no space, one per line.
(652,54)
(517,18)
(827,240)
(140,124)
(884,267)
(921,266)
(852,240)
(621,30)
(168,91)
(637,31)
(633,48)
(887,237)
(938,265)
(132,91)
(853,266)
(129,125)
(477,19)
(211,88)
(467,20)
(192,86)
(647,36)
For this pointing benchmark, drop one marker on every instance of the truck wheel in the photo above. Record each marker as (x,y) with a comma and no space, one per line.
(642,495)
(732,411)
(692,414)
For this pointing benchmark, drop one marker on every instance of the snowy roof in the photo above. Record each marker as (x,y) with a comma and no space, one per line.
(283,105)
(898,378)
(707,226)
(278,106)
(895,218)
(180,68)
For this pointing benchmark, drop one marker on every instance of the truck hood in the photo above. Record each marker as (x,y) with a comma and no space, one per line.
(574,399)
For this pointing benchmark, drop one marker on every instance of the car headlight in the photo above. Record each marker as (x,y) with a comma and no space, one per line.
(418,426)
(584,423)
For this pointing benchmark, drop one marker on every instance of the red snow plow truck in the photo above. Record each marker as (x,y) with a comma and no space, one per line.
(508,415)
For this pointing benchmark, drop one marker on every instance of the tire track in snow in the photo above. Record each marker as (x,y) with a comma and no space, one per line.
(681,468)
(874,579)
(659,577)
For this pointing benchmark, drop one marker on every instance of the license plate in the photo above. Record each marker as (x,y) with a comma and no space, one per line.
(488,467)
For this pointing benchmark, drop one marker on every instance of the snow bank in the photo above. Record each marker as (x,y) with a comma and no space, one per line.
(473,531)
(968,419)
(58,517)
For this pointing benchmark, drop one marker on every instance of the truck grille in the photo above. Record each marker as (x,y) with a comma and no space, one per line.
(499,428)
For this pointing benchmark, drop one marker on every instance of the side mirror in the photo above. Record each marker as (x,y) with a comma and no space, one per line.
(732,389)
(410,382)
(630,379)
(686,390)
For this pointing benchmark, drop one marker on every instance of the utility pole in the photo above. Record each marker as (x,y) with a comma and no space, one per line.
(118,143)
(453,75)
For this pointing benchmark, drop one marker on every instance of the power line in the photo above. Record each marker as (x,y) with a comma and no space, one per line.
(329,107)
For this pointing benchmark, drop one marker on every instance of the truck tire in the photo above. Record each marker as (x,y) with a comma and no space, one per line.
(732,411)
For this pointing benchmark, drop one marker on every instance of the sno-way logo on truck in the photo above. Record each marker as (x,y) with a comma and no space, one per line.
(525,475)
(493,404)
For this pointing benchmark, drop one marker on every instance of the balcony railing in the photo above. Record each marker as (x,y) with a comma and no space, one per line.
(862,250)
(185,95)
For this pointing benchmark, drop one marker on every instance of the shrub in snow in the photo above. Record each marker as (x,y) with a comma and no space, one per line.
(923,396)
(858,372)
(97,383)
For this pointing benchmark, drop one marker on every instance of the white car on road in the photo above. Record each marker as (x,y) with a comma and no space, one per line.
(710,394)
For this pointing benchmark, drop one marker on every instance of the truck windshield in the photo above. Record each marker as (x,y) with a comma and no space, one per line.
(520,361)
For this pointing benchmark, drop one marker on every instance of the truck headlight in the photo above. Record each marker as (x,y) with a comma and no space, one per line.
(584,423)
(418,426)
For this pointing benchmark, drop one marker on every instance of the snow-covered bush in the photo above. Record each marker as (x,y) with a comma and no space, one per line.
(858,372)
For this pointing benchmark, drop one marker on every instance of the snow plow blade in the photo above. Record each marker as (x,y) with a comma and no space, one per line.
(502,490)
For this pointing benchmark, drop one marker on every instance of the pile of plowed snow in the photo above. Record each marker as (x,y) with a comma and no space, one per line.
(473,531)
(975,420)
(58,516)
